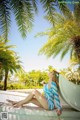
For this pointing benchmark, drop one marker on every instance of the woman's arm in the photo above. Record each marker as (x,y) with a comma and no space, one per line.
(56,97)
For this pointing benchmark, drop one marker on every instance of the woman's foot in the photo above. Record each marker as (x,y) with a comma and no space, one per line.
(16,104)
(11,101)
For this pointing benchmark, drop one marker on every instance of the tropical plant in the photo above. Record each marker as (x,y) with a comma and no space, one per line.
(22,77)
(24,12)
(74,63)
(64,37)
(32,78)
(9,61)
(72,75)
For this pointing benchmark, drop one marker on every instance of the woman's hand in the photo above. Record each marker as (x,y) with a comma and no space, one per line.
(59,112)
(43,82)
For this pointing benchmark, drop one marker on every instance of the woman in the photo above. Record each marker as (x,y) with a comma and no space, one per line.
(49,100)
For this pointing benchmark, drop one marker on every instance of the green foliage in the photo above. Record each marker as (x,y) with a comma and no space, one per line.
(72,75)
(8,58)
(1,74)
(49,7)
(29,80)
(34,4)
(33,78)
(14,86)
(9,61)
(24,12)
(1,85)
(64,8)
(26,80)
(36,77)
(77,11)
(5,19)
(64,37)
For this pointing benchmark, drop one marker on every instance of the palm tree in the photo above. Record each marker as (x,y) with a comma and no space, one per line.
(9,61)
(64,37)
(74,62)
(24,12)
(22,77)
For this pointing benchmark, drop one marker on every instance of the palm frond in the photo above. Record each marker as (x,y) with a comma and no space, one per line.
(66,49)
(77,11)
(34,3)
(54,46)
(23,11)
(49,7)
(64,8)
(5,18)
(58,18)
(59,37)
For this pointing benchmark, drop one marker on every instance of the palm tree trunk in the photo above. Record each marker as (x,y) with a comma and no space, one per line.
(76,43)
(5,79)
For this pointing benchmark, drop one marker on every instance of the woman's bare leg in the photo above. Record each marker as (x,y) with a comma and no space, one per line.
(35,102)
(20,103)
(39,97)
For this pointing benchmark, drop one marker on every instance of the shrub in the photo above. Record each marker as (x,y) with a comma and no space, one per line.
(73,76)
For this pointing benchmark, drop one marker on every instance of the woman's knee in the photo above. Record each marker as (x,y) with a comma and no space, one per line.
(34,92)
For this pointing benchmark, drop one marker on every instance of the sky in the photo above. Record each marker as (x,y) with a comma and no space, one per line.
(28,48)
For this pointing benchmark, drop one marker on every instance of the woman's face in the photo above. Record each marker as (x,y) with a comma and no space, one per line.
(51,74)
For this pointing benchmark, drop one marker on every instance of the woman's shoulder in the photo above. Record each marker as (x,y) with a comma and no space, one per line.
(53,83)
